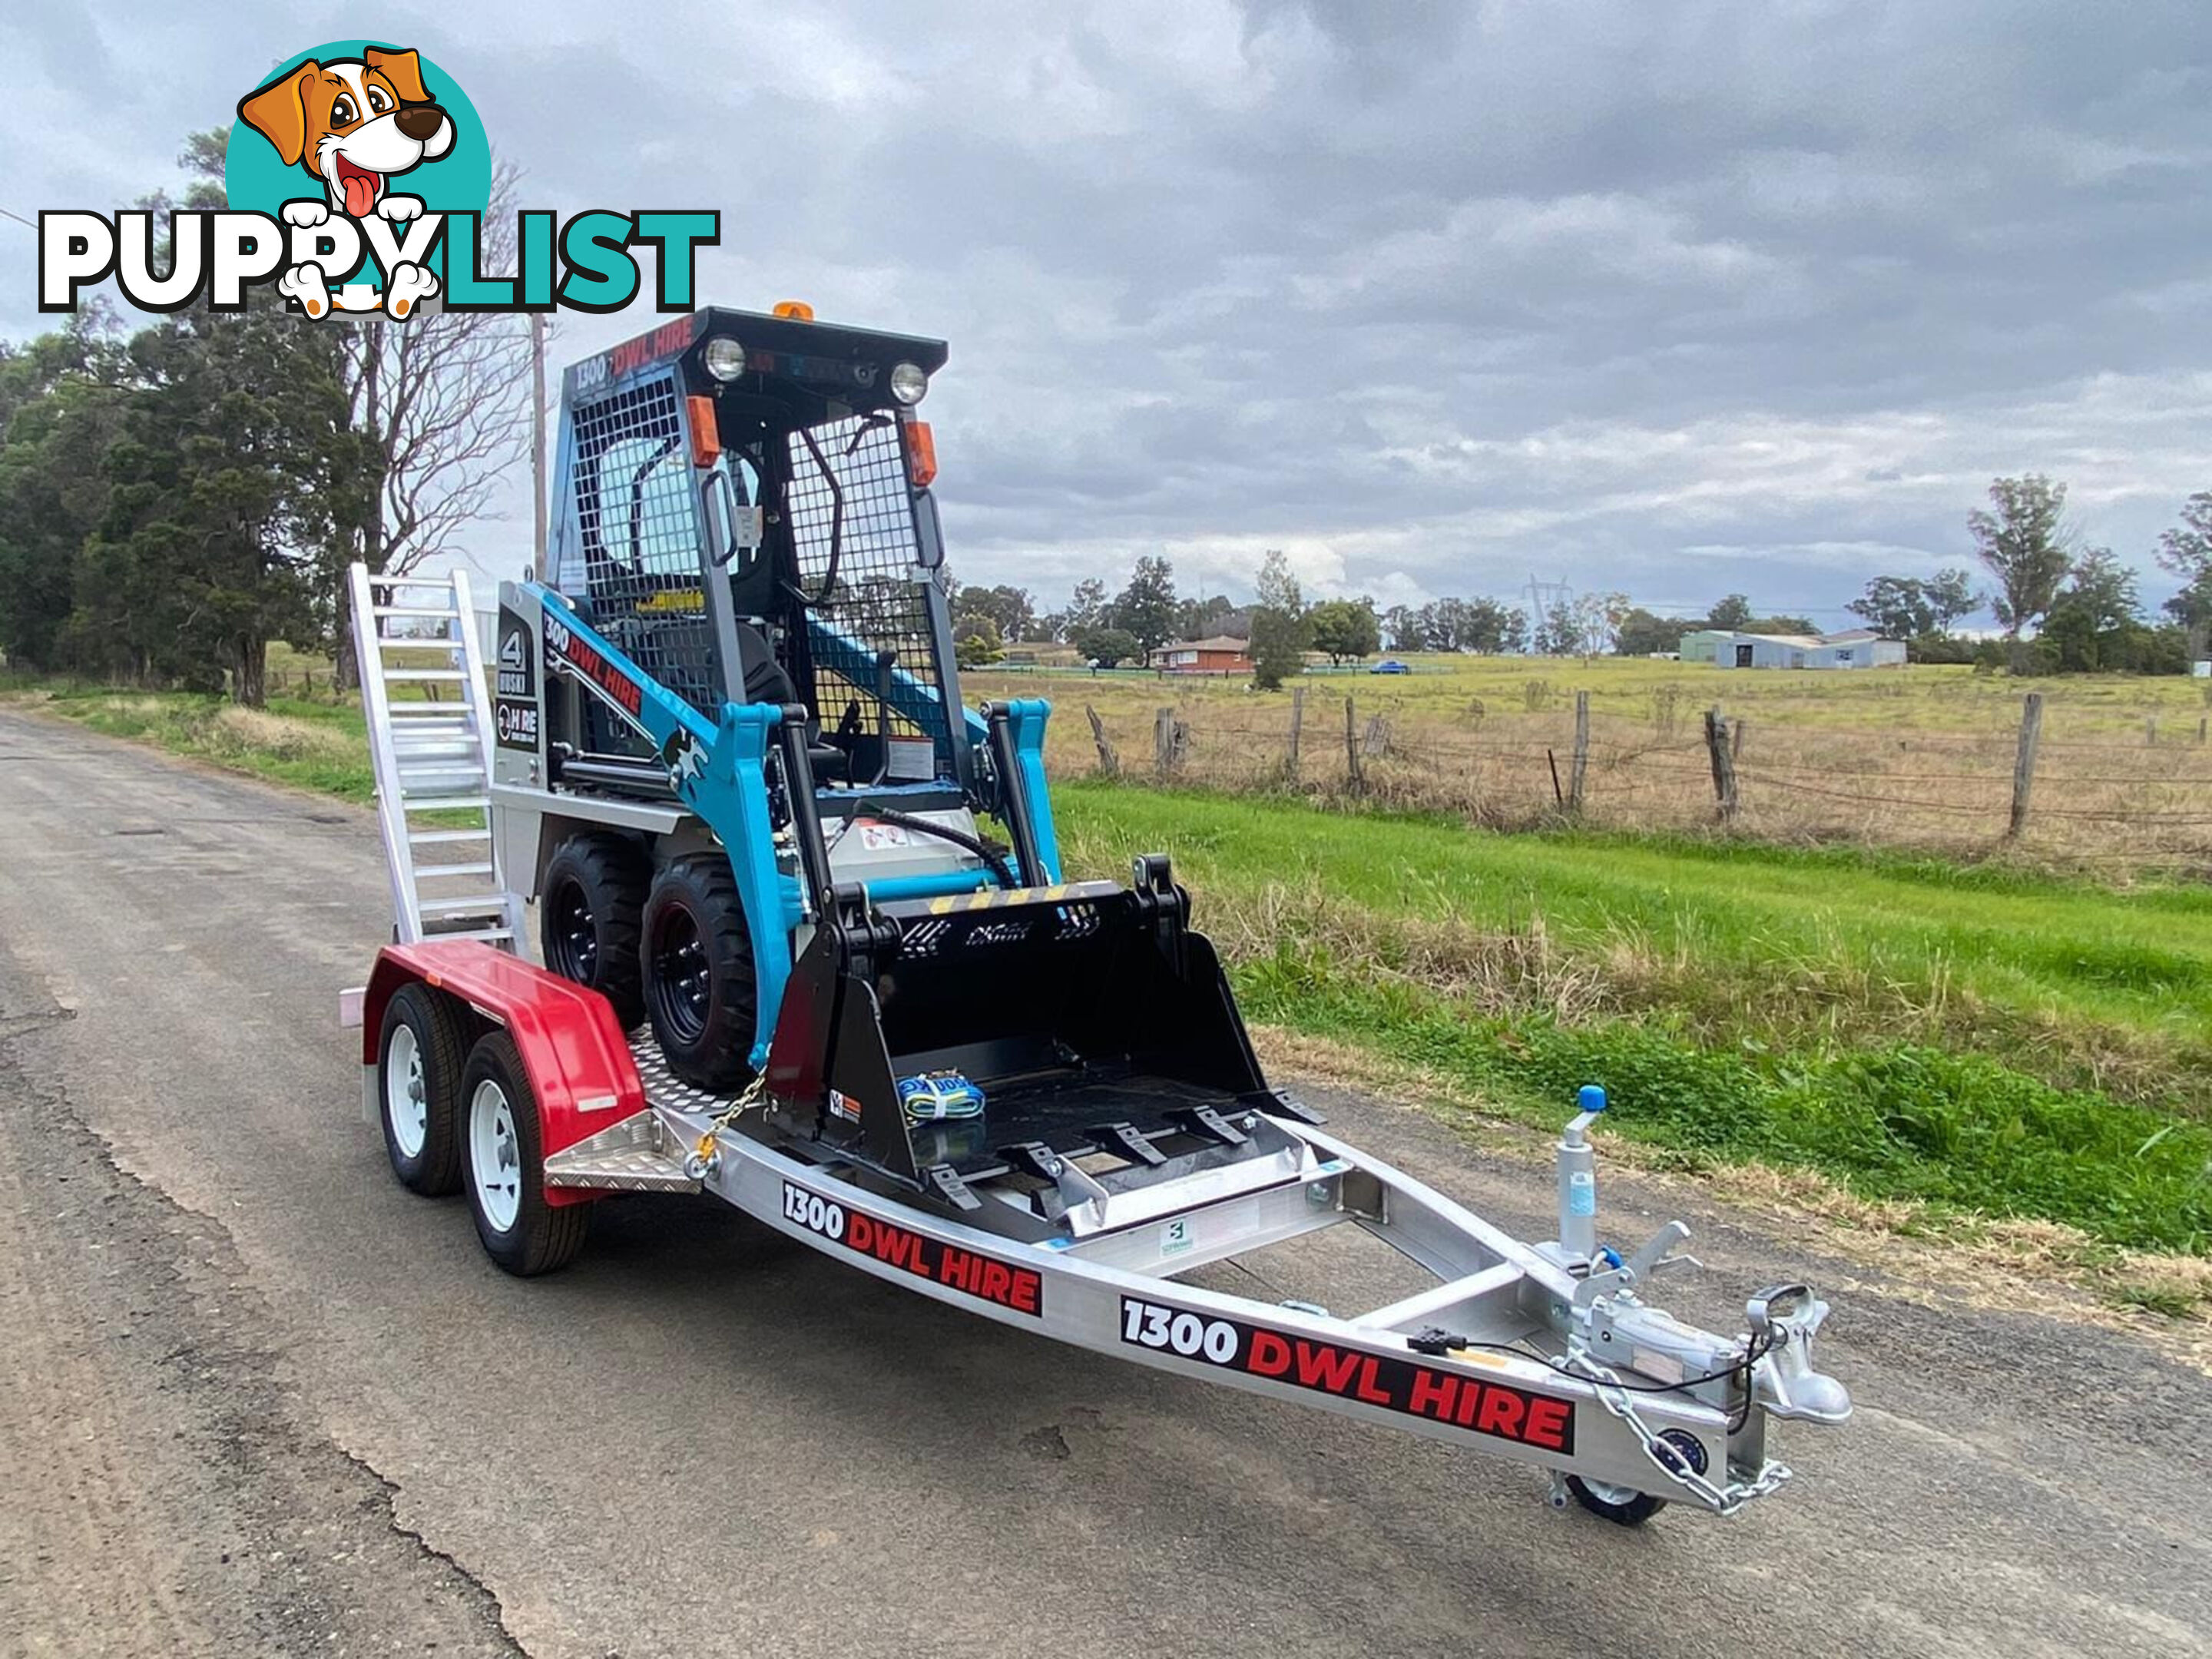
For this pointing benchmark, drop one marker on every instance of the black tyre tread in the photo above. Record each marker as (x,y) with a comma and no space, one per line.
(544,1237)
(1634,1513)
(704,881)
(615,877)
(444,1042)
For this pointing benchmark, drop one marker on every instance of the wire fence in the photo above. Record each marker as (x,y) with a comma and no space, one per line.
(2144,804)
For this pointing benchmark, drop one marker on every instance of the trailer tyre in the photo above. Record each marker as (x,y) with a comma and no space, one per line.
(699,991)
(420,1056)
(590,909)
(505,1161)
(1621,1505)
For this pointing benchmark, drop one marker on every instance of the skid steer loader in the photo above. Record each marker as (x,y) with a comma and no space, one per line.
(732,758)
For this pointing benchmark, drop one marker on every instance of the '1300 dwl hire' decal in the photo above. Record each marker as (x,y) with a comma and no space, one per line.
(1397,1385)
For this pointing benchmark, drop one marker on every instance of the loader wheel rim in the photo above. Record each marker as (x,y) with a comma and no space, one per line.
(682,980)
(406,1102)
(575,936)
(495,1156)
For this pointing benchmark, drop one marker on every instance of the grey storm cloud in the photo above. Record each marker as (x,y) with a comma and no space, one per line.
(1679,298)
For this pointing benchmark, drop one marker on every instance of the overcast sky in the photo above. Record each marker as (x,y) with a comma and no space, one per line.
(1675,298)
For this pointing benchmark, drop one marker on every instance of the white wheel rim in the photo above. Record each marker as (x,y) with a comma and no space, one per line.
(495,1156)
(406,1092)
(1606,1493)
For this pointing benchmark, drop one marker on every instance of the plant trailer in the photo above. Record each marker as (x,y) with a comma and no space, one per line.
(719,748)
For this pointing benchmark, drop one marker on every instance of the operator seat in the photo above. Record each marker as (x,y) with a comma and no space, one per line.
(766,681)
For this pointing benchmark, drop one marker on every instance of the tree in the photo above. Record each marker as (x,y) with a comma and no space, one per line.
(1644,634)
(1733,613)
(2186,552)
(977,643)
(1477,625)
(1105,647)
(2027,546)
(1280,628)
(1146,607)
(1199,619)
(1404,629)
(445,399)
(2095,623)
(1907,608)
(60,408)
(1010,610)
(1086,608)
(234,479)
(1347,628)
(1583,626)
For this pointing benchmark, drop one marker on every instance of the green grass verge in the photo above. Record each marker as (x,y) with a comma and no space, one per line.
(309,746)
(1913,1029)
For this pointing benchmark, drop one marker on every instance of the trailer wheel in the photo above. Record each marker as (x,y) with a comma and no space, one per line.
(591,908)
(506,1181)
(1622,1506)
(699,986)
(419,1059)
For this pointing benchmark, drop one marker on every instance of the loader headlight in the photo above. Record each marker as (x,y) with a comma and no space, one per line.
(724,357)
(908,382)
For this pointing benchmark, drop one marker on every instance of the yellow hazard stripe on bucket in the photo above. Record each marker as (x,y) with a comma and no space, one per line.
(998,898)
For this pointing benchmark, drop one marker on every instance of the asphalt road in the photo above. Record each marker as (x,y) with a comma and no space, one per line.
(260,1400)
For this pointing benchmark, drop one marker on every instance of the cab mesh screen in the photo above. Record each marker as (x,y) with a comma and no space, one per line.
(637,521)
(852,527)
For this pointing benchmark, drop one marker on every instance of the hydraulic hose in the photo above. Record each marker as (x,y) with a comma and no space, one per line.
(994,858)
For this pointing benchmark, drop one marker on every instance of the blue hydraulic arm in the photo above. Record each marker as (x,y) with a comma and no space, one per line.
(716,771)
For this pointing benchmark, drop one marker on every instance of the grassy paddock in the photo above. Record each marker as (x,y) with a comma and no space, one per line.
(1981,1041)
(1919,757)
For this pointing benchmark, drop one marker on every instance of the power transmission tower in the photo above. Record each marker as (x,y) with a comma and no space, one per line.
(1543,599)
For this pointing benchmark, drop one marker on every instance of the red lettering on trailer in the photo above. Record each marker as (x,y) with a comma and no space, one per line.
(1501,1414)
(1369,1389)
(1270,1355)
(887,1243)
(1383,1379)
(985,1278)
(1432,1395)
(1550,1423)
(1324,1367)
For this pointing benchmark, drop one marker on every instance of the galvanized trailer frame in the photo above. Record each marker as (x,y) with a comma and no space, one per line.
(1546,1354)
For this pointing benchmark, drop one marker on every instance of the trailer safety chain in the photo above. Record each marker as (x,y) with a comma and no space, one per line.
(707,1157)
(1613,1393)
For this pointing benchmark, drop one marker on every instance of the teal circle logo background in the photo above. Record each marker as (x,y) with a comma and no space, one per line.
(256,180)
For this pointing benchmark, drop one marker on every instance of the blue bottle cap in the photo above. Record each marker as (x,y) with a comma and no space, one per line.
(1590,1098)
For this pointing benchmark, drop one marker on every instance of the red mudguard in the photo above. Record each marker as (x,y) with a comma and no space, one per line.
(579,1065)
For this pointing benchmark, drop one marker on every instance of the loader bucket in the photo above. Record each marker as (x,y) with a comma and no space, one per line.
(1079,1011)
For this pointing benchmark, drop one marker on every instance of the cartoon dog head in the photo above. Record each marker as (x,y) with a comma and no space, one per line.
(352,123)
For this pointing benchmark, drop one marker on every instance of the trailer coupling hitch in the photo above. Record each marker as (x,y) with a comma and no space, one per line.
(1782,1320)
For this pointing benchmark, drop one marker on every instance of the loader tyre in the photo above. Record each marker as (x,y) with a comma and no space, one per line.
(699,991)
(419,1056)
(590,909)
(505,1152)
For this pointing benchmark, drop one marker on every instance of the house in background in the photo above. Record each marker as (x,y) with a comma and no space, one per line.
(1855,648)
(1222,654)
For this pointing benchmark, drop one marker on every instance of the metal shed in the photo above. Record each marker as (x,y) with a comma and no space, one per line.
(1857,648)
